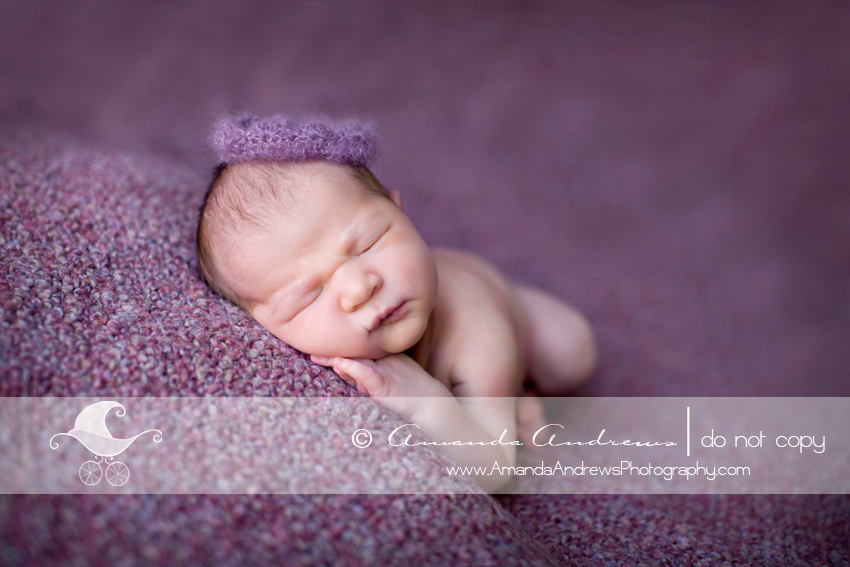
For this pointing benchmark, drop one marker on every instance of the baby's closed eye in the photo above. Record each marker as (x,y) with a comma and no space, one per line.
(314,295)
(296,300)
(373,240)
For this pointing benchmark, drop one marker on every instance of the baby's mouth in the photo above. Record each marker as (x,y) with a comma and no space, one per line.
(390,316)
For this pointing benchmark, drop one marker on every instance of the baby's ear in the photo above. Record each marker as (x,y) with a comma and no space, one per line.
(396,197)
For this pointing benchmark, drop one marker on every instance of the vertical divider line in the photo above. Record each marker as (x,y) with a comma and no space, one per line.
(689,431)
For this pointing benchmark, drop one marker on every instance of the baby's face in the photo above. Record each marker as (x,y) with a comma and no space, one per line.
(343,272)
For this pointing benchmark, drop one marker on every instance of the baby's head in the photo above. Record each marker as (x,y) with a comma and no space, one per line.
(309,243)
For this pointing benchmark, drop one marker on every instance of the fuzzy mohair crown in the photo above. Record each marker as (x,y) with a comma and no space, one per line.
(248,138)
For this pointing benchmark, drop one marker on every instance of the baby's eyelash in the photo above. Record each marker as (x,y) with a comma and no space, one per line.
(316,294)
(374,242)
(369,247)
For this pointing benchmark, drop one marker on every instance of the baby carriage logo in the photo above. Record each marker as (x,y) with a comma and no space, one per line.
(90,430)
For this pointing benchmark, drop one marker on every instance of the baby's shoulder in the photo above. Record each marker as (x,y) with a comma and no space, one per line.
(468,281)
(480,319)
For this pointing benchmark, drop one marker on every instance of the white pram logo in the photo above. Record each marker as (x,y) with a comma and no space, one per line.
(90,430)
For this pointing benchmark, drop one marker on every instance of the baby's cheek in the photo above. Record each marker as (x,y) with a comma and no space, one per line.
(295,335)
(335,337)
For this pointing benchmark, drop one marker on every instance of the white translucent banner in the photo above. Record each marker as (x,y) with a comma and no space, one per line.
(355,446)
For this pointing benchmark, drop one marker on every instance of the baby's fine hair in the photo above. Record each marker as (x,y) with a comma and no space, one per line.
(243,197)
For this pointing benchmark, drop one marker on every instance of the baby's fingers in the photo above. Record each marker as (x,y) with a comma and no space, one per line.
(322,360)
(369,381)
(331,362)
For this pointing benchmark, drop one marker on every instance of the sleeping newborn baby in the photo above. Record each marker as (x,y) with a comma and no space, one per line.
(297,231)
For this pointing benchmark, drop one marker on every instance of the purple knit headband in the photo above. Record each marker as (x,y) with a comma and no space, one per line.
(249,138)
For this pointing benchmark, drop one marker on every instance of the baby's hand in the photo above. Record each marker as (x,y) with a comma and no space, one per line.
(394,376)
(401,385)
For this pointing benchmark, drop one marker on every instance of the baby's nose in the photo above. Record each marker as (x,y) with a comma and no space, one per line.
(358,290)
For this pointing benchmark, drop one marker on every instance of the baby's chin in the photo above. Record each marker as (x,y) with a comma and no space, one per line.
(381,350)
(384,341)
(371,353)
(402,335)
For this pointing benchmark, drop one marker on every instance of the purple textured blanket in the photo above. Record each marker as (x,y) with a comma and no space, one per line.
(676,172)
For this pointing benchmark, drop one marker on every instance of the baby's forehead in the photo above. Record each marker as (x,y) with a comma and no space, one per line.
(249,195)
(255,198)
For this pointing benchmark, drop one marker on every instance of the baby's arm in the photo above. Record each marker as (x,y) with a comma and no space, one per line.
(400,384)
